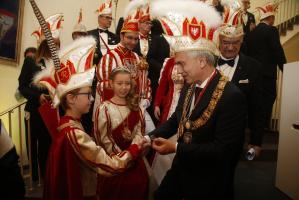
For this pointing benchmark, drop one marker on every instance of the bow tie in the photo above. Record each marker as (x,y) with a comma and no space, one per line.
(103,31)
(230,62)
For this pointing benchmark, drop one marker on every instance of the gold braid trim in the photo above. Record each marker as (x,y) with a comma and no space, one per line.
(206,115)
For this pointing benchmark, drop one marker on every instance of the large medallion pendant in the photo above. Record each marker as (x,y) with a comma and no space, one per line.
(187,137)
(127,134)
(188,124)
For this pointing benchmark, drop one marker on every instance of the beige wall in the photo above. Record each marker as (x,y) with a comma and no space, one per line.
(9,74)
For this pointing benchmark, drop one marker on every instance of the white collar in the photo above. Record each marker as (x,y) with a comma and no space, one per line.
(204,83)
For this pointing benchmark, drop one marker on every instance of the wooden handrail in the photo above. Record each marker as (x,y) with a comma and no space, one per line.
(12,108)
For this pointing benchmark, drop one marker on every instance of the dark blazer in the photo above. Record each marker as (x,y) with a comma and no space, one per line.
(112,40)
(26,87)
(204,169)
(250,20)
(249,69)
(157,52)
(263,44)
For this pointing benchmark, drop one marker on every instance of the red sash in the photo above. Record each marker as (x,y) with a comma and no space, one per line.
(133,118)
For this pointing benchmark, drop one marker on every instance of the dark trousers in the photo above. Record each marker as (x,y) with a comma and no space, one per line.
(11,181)
(40,144)
(169,188)
(269,96)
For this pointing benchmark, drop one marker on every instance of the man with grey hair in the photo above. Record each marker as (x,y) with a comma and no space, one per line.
(211,112)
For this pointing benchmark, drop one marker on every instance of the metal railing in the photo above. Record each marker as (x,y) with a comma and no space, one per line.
(19,142)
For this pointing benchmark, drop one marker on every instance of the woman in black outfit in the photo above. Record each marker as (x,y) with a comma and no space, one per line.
(40,138)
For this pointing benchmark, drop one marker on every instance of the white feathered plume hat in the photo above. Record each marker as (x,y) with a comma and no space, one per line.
(136,11)
(54,24)
(188,24)
(79,27)
(105,8)
(232,26)
(269,9)
(76,69)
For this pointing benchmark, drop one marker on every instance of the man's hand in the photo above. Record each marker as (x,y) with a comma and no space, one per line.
(157,112)
(257,149)
(43,98)
(163,146)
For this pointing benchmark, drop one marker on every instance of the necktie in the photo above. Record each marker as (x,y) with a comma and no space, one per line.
(230,62)
(196,93)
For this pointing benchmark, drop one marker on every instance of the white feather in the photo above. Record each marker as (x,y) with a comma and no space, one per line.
(133,5)
(186,8)
(88,40)
(233,4)
(47,72)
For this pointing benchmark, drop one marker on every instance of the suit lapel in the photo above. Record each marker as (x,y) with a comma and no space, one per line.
(149,44)
(203,103)
(239,71)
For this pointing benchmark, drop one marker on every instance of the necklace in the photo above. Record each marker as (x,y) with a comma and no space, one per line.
(189,125)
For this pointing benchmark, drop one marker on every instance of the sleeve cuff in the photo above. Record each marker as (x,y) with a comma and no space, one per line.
(134,151)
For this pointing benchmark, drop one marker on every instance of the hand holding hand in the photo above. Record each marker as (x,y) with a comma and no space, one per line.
(163,146)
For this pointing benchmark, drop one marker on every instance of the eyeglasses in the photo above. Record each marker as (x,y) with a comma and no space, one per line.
(107,17)
(89,94)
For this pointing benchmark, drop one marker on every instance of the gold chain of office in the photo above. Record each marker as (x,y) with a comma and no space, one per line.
(192,125)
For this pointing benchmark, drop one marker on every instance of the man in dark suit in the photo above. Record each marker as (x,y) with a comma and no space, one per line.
(248,20)
(153,48)
(210,116)
(105,39)
(245,73)
(264,45)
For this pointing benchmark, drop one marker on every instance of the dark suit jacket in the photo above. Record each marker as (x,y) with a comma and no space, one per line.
(250,69)
(112,40)
(250,20)
(157,52)
(204,168)
(26,87)
(264,45)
